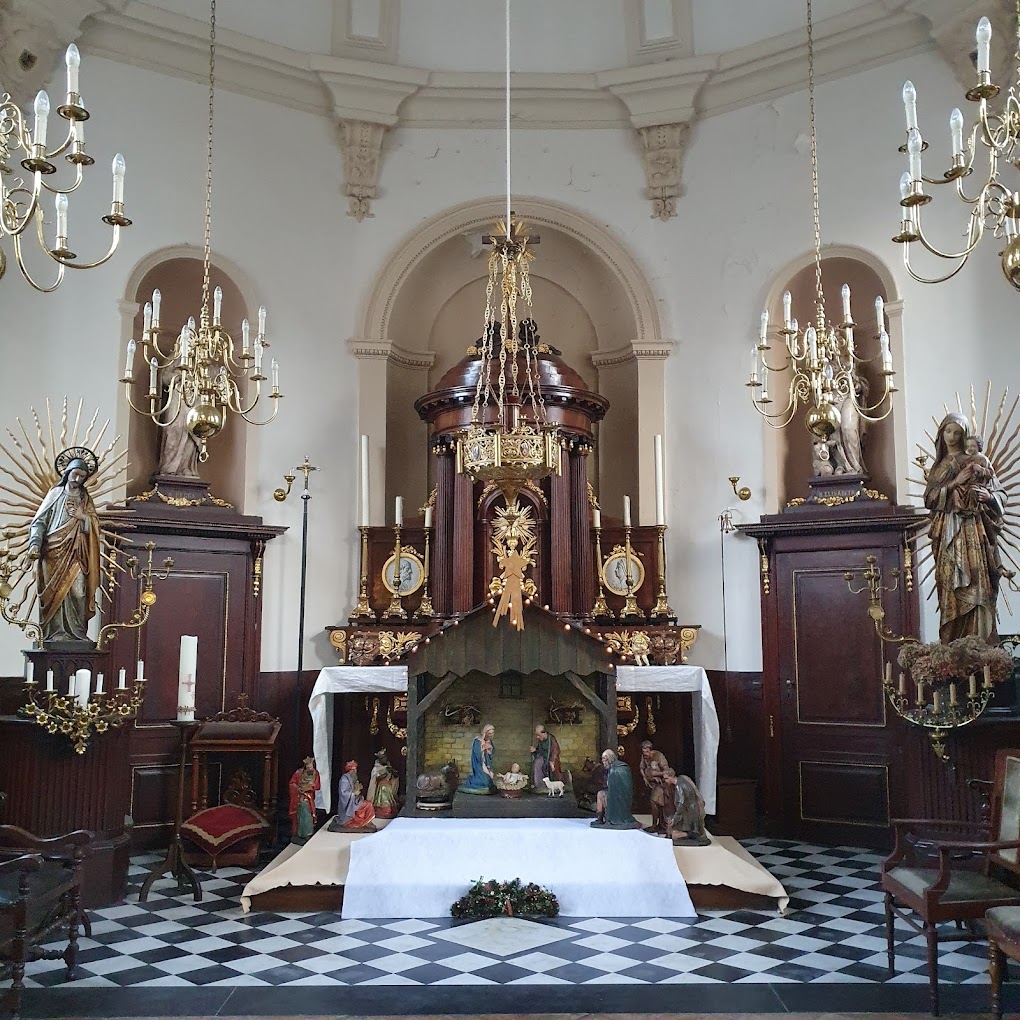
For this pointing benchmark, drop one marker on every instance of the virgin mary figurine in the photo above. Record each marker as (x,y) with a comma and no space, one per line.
(482,750)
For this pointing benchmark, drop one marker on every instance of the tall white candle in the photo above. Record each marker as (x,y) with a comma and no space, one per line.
(364,482)
(596,517)
(956,132)
(29,670)
(141,668)
(186,678)
(660,489)
(83,686)
(42,112)
(122,680)
(99,683)
(70,686)
(626,511)
(49,680)
(398,510)
(119,172)
(910,104)
(787,301)
(72,58)
(428,517)
(984,40)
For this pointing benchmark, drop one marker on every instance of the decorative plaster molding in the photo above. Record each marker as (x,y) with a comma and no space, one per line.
(637,350)
(952,27)
(361,146)
(349,42)
(160,40)
(387,350)
(643,47)
(663,147)
(33,37)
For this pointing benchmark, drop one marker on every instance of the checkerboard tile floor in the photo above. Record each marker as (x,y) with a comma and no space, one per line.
(833,932)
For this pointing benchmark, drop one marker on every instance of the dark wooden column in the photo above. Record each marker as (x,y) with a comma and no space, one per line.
(561,551)
(463,534)
(442,555)
(583,551)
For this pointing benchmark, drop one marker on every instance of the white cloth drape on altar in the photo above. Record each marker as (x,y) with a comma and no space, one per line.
(629,679)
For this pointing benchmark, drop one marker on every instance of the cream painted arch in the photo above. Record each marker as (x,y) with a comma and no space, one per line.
(375,346)
(772,296)
(127,307)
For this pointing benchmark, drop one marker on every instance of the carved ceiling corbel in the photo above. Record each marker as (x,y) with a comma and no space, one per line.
(366,97)
(661,102)
(33,37)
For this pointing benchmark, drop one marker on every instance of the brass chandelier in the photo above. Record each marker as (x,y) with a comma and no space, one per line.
(823,359)
(204,364)
(993,205)
(509,441)
(21,199)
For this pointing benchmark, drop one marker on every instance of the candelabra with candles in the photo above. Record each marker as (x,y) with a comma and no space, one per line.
(600,610)
(205,365)
(824,359)
(993,204)
(20,200)
(425,610)
(395,610)
(631,610)
(86,709)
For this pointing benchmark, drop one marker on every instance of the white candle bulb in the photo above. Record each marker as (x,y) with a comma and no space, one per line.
(147,317)
(245,336)
(914,153)
(880,313)
(765,386)
(70,686)
(596,517)
(99,683)
(153,373)
(258,355)
(364,482)
(78,127)
(786,309)
(910,104)
(845,294)
(156,299)
(185,342)
(764,330)
(276,374)
(428,517)
(83,687)
(141,668)
(660,485)
(42,112)
(73,60)
(129,361)
(754,364)
(984,39)
(29,670)
(811,339)
(217,307)
(956,131)
(626,511)
(187,675)
(905,185)
(398,510)
(49,680)
(122,679)
(61,205)
(262,320)
(119,171)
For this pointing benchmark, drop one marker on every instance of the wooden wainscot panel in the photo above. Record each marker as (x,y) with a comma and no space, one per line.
(844,793)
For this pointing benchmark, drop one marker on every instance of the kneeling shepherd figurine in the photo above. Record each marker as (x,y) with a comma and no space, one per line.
(686,826)
(612,804)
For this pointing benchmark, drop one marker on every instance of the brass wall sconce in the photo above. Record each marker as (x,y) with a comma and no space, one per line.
(743,493)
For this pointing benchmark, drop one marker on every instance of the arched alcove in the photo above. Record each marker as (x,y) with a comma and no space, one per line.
(868,279)
(590,301)
(177,273)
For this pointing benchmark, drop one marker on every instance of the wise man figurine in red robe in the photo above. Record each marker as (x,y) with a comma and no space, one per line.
(303,785)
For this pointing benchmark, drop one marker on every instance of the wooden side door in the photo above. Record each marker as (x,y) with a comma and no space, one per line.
(838,751)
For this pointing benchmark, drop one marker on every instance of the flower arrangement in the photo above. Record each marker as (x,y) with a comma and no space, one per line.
(493,899)
(936,663)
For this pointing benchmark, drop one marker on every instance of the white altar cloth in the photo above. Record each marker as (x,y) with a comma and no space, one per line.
(417,867)
(629,679)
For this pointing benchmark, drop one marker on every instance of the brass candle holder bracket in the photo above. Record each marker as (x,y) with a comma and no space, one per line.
(363,610)
(60,713)
(600,610)
(146,597)
(872,578)
(425,610)
(631,610)
(395,610)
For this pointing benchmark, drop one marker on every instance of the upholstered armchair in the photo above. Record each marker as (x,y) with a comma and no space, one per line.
(40,895)
(944,871)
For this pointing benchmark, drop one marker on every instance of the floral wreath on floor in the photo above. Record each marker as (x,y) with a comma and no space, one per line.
(495,899)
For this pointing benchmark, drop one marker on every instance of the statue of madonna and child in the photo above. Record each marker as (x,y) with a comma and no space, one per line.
(480,781)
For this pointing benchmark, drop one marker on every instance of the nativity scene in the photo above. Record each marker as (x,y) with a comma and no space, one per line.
(509,681)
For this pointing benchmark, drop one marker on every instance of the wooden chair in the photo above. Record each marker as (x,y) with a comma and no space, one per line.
(931,872)
(40,893)
(1003,924)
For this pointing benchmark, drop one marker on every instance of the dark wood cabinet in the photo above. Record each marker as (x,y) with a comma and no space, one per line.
(214,592)
(834,749)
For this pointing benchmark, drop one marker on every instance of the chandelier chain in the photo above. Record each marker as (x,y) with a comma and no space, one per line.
(207,238)
(819,295)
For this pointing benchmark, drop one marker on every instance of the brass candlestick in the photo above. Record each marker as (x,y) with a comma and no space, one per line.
(630,607)
(395,610)
(425,610)
(662,610)
(363,611)
(600,610)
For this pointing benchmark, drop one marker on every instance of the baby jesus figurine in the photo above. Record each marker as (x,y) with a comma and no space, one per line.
(977,472)
(515,770)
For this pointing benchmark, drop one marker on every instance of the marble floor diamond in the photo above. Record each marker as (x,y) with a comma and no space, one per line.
(833,933)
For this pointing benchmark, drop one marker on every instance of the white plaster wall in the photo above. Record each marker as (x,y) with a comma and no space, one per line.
(280,216)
